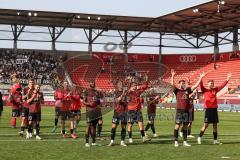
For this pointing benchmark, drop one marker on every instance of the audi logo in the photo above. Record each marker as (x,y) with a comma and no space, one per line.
(190,58)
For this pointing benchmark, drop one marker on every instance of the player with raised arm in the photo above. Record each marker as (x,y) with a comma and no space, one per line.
(135,107)
(120,113)
(34,118)
(183,105)
(210,106)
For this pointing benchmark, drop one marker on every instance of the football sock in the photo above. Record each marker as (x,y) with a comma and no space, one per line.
(37,129)
(71,131)
(87,138)
(142,133)
(30,129)
(153,128)
(215,135)
(63,131)
(130,134)
(99,130)
(123,134)
(147,127)
(201,133)
(113,132)
(56,121)
(14,121)
(175,134)
(184,134)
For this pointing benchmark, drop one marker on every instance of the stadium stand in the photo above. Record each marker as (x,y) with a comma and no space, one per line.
(104,68)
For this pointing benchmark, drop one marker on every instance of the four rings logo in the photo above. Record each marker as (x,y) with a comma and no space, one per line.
(190,58)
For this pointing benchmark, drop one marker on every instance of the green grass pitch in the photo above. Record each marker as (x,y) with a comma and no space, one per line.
(53,146)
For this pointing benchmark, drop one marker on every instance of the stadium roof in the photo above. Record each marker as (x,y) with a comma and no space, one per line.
(204,19)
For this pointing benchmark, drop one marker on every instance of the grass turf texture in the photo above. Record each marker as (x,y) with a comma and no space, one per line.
(53,146)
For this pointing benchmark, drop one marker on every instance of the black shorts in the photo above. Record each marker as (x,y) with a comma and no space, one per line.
(15,113)
(57,112)
(151,116)
(191,116)
(211,115)
(117,117)
(92,115)
(65,115)
(25,112)
(34,117)
(134,116)
(75,113)
(93,122)
(182,116)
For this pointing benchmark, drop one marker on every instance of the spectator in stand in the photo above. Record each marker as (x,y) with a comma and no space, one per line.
(41,67)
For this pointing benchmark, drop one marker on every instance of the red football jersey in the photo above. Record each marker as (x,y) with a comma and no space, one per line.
(63,99)
(92,98)
(182,97)
(35,104)
(210,95)
(16,100)
(76,102)
(151,108)
(25,91)
(135,101)
(120,106)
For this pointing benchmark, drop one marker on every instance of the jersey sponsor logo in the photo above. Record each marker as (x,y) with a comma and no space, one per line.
(190,58)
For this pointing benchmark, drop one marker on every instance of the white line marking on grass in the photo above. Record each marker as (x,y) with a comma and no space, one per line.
(223,157)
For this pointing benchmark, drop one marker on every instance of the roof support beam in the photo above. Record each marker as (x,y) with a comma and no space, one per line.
(235,39)
(216,47)
(16,30)
(186,40)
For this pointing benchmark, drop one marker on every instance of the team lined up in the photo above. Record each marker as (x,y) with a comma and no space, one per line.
(127,108)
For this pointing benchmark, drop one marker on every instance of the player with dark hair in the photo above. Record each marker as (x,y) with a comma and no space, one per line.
(76,106)
(210,106)
(65,97)
(120,113)
(27,92)
(91,100)
(34,118)
(15,98)
(183,105)
(152,101)
(191,115)
(134,109)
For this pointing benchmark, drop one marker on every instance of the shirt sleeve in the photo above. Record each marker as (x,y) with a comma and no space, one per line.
(189,90)
(175,90)
(222,86)
(203,89)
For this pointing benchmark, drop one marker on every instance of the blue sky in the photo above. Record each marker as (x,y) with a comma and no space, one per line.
(146,8)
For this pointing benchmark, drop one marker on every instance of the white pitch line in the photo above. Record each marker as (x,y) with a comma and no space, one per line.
(81,139)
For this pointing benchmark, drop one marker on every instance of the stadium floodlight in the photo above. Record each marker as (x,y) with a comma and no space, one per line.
(35,14)
(78,17)
(222,2)
(195,10)
(99,18)
(18,13)
(29,14)
(89,17)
